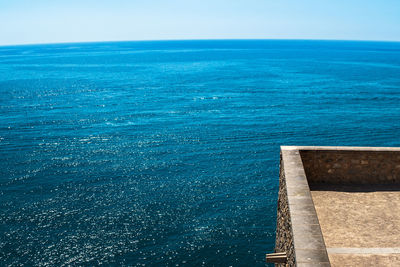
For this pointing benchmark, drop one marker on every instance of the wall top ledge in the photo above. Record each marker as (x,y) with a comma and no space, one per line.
(341,148)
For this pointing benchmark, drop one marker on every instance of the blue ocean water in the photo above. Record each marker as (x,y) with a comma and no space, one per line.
(166,153)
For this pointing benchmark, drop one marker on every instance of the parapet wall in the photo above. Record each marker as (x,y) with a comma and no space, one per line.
(352,166)
(298,229)
(284,236)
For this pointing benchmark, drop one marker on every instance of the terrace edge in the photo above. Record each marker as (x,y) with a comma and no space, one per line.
(298,232)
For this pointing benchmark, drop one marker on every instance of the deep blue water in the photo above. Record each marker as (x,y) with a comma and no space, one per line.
(167,153)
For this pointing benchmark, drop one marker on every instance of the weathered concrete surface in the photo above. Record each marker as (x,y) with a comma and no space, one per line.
(344,260)
(360,224)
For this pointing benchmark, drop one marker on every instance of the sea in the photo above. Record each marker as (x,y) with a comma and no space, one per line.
(166,153)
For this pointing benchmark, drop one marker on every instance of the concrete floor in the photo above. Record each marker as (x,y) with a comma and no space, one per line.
(360,225)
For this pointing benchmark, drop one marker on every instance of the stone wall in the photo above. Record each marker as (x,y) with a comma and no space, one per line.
(298,231)
(284,236)
(356,166)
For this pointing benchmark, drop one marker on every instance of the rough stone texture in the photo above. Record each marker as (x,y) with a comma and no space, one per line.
(298,230)
(284,237)
(351,166)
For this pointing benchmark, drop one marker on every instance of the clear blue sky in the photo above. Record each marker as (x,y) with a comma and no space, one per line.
(52,21)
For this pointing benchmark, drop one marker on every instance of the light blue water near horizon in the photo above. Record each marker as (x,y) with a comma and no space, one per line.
(167,153)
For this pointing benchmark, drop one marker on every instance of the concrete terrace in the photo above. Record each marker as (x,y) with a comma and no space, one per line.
(360,224)
(339,206)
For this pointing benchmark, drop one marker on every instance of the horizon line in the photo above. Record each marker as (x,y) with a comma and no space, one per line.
(204,39)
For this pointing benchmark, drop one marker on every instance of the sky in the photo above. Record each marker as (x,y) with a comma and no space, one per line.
(58,21)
